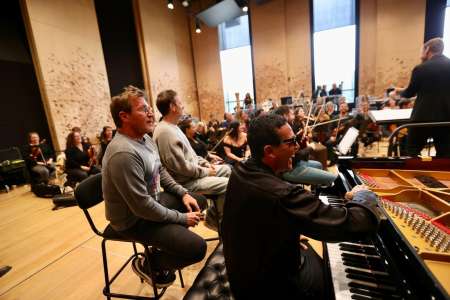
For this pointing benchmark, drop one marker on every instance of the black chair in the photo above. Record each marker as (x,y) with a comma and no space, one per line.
(88,194)
(12,167)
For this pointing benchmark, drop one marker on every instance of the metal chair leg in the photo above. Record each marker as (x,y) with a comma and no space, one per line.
(136,254)
(105,270)
(181,278)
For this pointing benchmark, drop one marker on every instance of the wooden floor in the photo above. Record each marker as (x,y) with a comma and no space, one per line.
(55,255)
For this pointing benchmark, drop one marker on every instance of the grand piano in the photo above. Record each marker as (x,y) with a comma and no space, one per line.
(409,257)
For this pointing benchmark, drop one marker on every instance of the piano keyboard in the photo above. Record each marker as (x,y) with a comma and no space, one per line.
(358,271)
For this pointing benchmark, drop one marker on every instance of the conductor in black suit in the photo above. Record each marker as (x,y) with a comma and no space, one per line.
(430,81)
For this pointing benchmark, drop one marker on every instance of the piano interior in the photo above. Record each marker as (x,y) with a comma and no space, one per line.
(409,257)
(418,203)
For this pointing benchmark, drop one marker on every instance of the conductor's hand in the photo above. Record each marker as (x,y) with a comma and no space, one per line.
(193,218)
(357,188)
(190,203)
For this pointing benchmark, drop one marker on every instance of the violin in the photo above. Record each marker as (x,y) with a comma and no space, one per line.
(92,156)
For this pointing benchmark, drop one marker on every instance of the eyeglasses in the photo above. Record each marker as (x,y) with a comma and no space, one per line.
(291,141)
(145,109)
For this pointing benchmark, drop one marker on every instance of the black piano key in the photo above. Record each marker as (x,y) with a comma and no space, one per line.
(369,279)
(358,249)
(366,292)
(381,288)
(359,297)
(365,264)
(378,275)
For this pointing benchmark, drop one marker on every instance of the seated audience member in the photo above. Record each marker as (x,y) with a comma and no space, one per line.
(135,206)
(79,163)
(335,90)
(201,149)
(38,157)
(305,171)
(186,167)
(105,138)
(235,143)
(263,254)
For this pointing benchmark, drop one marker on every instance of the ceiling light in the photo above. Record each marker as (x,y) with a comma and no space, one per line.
(245,8)
(197,26)
(185,3)
(170,4)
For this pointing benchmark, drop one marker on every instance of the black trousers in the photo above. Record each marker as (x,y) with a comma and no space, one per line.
(177,245)
(417,139)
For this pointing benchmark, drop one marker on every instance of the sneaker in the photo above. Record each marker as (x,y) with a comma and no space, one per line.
(162,278)
(211,221)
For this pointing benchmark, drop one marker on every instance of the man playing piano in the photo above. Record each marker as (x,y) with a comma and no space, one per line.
(430,81)
(264,217)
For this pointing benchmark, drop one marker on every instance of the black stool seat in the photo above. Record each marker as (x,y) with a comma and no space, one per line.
(212,281)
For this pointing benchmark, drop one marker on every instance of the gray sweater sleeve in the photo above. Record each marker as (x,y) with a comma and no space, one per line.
(127,174)
(171,153)
(169,184)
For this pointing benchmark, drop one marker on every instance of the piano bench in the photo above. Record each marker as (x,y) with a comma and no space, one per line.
(212,281)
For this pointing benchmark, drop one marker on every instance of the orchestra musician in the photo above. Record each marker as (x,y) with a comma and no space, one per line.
(306,171)
(430,81)
(80,158)
(369,131)
(39,159)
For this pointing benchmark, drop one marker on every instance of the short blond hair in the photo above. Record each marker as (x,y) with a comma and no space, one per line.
(122,102)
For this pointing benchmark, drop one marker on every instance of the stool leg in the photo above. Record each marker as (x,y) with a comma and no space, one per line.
(136,255)
(152,276)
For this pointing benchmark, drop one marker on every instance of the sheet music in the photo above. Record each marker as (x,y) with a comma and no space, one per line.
(347,141)
(386,115)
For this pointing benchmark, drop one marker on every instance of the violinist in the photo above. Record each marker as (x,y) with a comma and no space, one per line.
(80,159)
(338,131)
(306,171)
(369,131)
(39,159)
(105,138)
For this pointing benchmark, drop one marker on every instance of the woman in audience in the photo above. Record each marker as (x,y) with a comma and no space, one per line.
(201,149)
(79,164)
(105,137)
(235,143)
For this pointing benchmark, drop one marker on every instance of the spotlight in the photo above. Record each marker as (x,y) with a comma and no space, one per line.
(245,8)
(170,4)
(185,3)
(197,26)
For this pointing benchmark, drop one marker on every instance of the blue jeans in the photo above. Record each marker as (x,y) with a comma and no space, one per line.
(310,172)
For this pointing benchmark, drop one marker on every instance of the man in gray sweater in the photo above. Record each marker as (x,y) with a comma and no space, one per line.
(192,171)
(135,206)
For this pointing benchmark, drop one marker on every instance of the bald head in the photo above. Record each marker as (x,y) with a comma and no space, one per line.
(431,48)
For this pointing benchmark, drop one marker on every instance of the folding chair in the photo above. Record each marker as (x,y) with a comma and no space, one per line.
(88,194)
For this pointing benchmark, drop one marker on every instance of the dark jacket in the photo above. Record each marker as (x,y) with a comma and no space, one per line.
(430,81)
(263,218)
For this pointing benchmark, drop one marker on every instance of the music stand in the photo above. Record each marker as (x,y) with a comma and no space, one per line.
(348,140)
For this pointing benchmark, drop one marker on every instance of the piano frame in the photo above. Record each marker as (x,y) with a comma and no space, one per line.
(409,269)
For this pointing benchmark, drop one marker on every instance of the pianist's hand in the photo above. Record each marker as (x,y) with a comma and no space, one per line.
(357,188)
